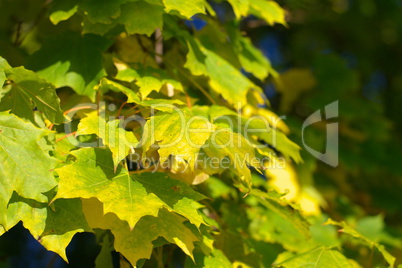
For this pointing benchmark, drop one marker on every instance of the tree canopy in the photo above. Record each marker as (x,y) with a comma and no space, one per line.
(173,133)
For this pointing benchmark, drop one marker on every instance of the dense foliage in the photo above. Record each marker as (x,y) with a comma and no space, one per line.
(147,124)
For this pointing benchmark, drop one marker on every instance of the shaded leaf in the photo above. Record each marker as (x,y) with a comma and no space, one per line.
(101,11)
(135,17)
(272,201)
(62,10)
(62,224)
(53,227)
(201,61)
(137,244)
(28,91)
(72,60)
(104,258)
(346,228)
(216,258)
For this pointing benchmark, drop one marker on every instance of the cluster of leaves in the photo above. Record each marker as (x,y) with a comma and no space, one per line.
(128,77)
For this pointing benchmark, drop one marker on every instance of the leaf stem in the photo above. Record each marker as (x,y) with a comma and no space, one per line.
(121,108)
(66,136)
(188,100)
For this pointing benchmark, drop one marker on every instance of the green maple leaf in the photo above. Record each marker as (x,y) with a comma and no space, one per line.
(130,197)
(240,7)
(25,167)
(101,17)
(282,143)
(251,59)
(178,196)
(52,227)
(72,60)
(135,17)
(216,258)
(62,10)
(148,79)
(27,91)
(104,258)
(32,213)
(62,224)
(3,65)
(137,244)
(270,11)
(202,61)
(319,257)
(185,8)
(119,141)
(284,209)
(347,229)
(172,134)
(63,147)
(262,129)
(97,28)
(2,78)
(232,130)
(101,11)
(225,143)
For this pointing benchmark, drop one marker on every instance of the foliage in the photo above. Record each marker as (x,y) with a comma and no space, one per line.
(145,123)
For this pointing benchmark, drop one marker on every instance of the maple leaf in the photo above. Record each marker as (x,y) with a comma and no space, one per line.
(136,244)
(119,141)
(53,226)
(25,167)
(130,197)
(28,91)
(148,79)
(178,133)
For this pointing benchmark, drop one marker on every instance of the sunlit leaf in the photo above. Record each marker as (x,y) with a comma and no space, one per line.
(130,197)
(148,79)
(25,168)
(62,10)
(319,257)
(166,105)
(178,134)
(186,8)
(269,10)
(112,133)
